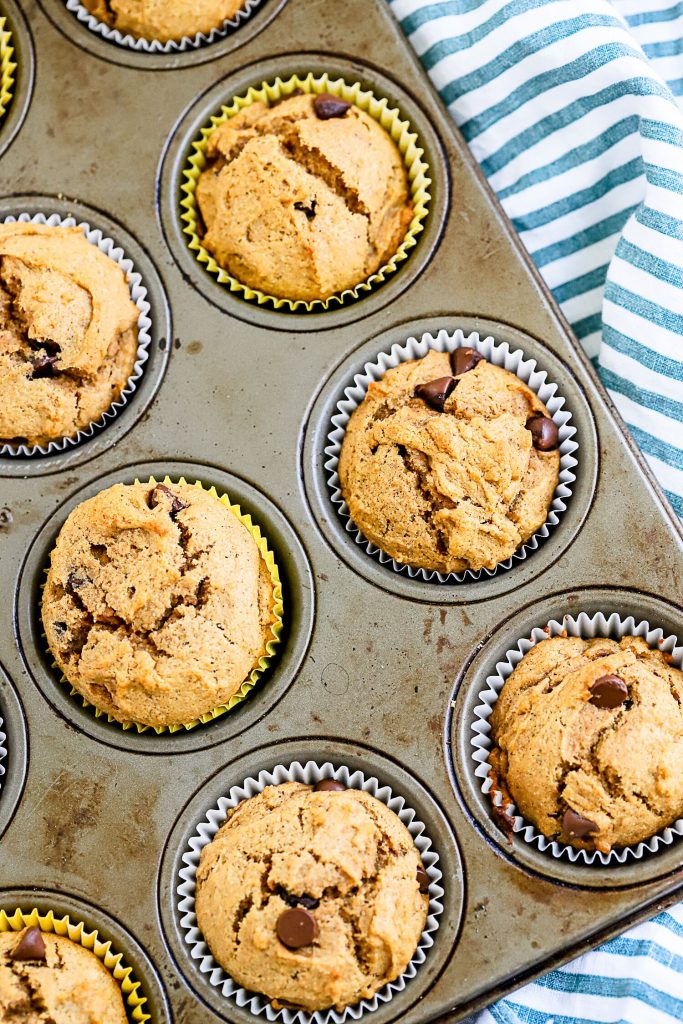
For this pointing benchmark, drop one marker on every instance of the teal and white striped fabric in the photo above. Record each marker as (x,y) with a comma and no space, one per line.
(574,109)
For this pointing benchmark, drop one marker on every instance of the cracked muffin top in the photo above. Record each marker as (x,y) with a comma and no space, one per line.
(164,20)
(303,199)
(46,977)
(312,896)
(68,333)
(158,604)
(449,463)
(589,740)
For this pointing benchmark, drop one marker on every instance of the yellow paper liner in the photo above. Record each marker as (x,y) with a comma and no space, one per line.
(263,662)
(269,92)
(7,66)
(136,1002)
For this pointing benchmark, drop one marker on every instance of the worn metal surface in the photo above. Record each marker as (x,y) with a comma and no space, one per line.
(375,672)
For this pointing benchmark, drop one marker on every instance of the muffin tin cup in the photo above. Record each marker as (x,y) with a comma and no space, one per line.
(138,293)
(388,117)
(498,353)
(587,627)
(172,46)
(309,773)
(264,661)
(7,67)
(77,931)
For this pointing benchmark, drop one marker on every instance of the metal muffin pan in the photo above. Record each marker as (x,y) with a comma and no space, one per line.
(371,670)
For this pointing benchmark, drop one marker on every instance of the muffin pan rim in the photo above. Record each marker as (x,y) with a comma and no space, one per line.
(281,674)
(78,34)
(62,902)
(178,147)
(488,273)
(160,331)
(16,762)
(460,715)
(24,75)
(321,749)
(330,526)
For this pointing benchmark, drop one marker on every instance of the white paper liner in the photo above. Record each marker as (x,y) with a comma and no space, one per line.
(498,353)
(588,627)
(112,35)
(138,294)
(3,751)
(309,773)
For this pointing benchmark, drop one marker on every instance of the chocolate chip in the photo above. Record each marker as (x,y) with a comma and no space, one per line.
(161,491)
(307,208)
(608,692)
(544,433)
(44,366)
(436,392)
(59,628)
(575,826)
(464,359)
(75,582)
(296,928)
(327,106)
(329,786)
(422,879)
(308,902)
(30,946)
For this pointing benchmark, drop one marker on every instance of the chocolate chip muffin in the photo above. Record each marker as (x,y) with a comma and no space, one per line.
(589,741)
(449,462)
(164,20)
(158,604)
(46,977)
(303,199)
(68,333)
(312,896)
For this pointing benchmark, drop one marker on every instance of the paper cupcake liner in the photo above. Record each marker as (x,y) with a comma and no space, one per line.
(269,92)
(136,1002)
(308,773)
(582,625)
(138,294)
(128,42)
(498,353)
(264,661)
(7,67)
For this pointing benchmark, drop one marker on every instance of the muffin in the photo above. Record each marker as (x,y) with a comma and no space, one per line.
(158,604)
(303,199)
(449,462)
(312,896)
(164,20)
(589,741)
(46,977)
(68,333)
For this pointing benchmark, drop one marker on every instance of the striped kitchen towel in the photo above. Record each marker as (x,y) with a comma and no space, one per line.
(574,110)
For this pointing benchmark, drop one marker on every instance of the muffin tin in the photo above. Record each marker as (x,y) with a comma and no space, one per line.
(378,671)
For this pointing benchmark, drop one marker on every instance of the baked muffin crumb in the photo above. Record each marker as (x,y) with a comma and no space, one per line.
(302,206)
(588,740)
(311,897)
(158,604)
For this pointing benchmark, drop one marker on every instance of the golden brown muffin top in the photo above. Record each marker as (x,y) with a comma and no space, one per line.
(299,205)
(337,869)
(158,604)
(48,977)
(68,332)
(589,737)
(164,20)
(449,485)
